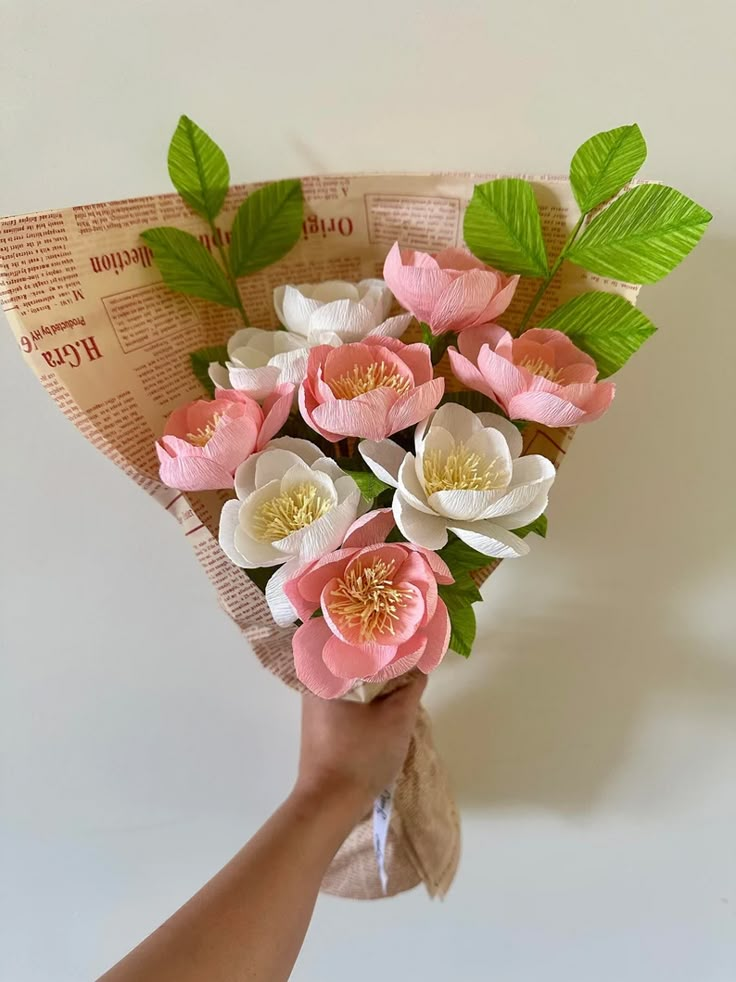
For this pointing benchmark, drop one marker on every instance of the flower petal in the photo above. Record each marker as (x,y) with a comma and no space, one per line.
(282,610)
(257,382)
(226,533)
(276,409)
(415,405)
(411,487)
(365,416)
(308,644)
(369,529)
(490,539)
(407,656)
(438,638)
(425,530)
(503,377)
(384,457)
(349,661)
(192,473)
(294,309)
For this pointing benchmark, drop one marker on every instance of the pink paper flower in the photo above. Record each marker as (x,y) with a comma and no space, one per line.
(450,291)
(541,376)
(369,389)
(382,615)
(205,441)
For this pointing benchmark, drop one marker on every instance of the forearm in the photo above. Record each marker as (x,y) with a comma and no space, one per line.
(249,921)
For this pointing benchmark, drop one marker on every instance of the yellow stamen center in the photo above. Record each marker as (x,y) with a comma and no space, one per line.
(205,433)
(537,366)
(365,378)
(366,598)
(461,470)
(290,511)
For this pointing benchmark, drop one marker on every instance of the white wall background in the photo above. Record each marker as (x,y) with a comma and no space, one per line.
(592,735)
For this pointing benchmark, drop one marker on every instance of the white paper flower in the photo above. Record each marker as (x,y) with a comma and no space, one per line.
(294,505)
(347,311)
(467,477)
(260,360)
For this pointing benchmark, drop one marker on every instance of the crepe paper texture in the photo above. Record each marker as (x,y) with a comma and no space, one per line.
(353,393)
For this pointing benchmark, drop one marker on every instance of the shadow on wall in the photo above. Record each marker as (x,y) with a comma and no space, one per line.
(639,584)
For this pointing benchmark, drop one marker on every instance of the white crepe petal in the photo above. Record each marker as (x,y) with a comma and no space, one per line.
(490,539)
(279,604)
(507,428)
(226,534)
(425,530)
(273,463)
(384,457)
(219,375)
(410,486)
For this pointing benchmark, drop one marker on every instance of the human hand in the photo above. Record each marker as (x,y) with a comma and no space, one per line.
(356,749)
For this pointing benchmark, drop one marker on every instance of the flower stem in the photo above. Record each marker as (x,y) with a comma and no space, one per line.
(551,275)
(217,239)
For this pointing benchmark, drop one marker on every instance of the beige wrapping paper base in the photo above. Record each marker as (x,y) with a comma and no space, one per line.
(110,343)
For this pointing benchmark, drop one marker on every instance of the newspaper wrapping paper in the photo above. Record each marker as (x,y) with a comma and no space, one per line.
(110,343)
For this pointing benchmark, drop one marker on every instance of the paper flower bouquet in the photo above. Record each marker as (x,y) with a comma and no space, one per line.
(404,362)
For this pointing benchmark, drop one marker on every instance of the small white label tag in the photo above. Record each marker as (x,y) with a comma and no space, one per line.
(381,821)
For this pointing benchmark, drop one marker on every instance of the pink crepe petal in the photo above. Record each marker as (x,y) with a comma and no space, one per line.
(276,409)
(500,301)
(233,441)
(307,404)
(409,409)
(343,360)
(438,638)
(366,416)
(472,339)
(369,529)
(546,408)
(407,656)
(349,661)
(501,375)
(459,259)
(308,644)
(416,570)
(311,581)
(180,448)
(566,351)
(193,473)
(417,287)
(417,357)
(571,374)
(464,301)
(466,372)
(553,410)
(438,566)
(303,608)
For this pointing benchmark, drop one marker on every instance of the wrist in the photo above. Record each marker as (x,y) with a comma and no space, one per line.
(340,800)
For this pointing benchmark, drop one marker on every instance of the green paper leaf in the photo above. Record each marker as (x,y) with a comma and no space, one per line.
(370,486)
(187,267)
(200,361)
(605,163)
(642,236)
(198,169)
(437,343)
(462,618)
(502,227)
(462,559)
(538,527)
(463,590)
(604,325)
(267,225)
